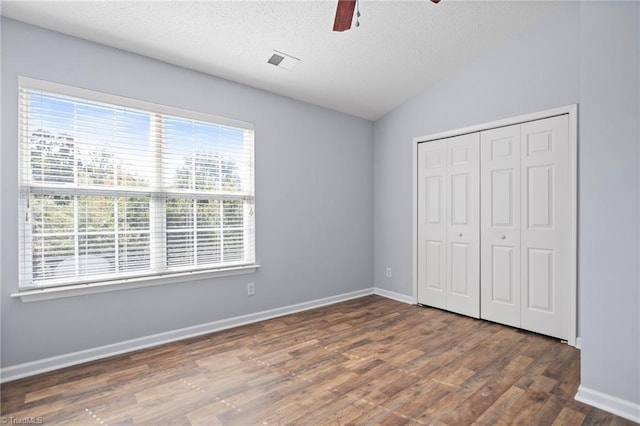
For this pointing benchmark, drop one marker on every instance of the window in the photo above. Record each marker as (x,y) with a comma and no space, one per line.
(113,188)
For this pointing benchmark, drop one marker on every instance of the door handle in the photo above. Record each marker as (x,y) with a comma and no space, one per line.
(459,234)
(503,237)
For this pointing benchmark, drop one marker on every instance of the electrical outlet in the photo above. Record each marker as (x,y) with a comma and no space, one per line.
(388,272)
(251,289)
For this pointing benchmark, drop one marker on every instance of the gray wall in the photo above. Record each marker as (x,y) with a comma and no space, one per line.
(583,53)
(609,214)
(536,70)
(314,201)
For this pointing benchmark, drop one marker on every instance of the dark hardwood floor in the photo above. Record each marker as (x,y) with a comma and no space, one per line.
(366,361)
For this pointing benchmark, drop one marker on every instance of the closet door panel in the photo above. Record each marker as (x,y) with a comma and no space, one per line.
(463,217)
(432,224)
(500,225)
(546,227)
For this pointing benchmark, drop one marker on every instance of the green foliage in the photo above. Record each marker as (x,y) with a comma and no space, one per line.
(117,228)
(207,172)
(52,157)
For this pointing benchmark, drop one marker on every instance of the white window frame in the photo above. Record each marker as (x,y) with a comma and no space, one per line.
(157,201)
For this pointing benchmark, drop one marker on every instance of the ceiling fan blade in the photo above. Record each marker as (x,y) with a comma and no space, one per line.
(344,15)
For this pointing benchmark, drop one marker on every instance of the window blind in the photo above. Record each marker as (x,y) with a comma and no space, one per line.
(109,190)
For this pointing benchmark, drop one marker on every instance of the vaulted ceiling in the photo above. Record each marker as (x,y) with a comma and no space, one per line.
(399,49)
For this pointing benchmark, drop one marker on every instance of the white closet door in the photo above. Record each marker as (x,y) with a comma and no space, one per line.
(500,229)
(546,226)
(463,230)
(432,224)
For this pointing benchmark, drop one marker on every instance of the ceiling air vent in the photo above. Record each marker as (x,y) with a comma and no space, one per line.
(282,60)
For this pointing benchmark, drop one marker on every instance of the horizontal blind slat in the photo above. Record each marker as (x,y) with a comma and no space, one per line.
(111,191)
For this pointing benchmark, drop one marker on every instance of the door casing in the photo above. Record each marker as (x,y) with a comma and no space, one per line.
(572,112)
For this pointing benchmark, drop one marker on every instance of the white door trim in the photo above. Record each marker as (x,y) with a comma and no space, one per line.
(572,112)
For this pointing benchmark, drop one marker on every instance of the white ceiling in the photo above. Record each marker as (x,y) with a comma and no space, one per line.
(400,48)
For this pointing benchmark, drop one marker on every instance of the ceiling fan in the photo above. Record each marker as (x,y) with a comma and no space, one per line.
(344,14)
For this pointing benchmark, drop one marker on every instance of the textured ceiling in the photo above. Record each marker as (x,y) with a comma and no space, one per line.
(400,48)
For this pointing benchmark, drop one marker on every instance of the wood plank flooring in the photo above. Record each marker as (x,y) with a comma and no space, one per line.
(366,361)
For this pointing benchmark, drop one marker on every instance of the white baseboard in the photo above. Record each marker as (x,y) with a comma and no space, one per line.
(620,407)
(19,371)
(393,295)
(579,343)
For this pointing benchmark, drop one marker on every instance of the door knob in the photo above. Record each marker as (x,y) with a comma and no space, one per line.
(503,237)
(459,234)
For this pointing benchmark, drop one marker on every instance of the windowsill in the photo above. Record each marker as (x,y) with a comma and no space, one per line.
(83,289)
